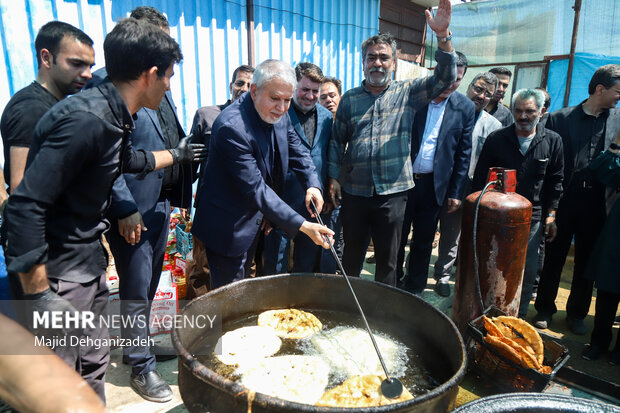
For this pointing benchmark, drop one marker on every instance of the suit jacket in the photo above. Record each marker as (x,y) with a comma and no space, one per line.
(201,133)
(134,192)
(294,193)
(453,150)
(235,191)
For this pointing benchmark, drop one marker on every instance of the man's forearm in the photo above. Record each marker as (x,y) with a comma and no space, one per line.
(163,159)
(35,280)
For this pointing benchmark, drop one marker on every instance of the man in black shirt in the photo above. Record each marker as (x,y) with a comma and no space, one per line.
(536,154)
(56,215)
(586,130)
(138,204)
(495,106)
(64,55)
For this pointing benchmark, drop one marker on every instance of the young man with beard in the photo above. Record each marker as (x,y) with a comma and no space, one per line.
(496,106)
(536,154)
(56,215)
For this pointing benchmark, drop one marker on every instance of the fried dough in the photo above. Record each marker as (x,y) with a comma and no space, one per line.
(491,327)
(527,331)
(360,391)
(247,344)
(290,323)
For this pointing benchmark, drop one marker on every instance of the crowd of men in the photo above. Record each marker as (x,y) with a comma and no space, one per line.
(377,162)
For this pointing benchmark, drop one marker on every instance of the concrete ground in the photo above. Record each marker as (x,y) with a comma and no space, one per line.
(121,397)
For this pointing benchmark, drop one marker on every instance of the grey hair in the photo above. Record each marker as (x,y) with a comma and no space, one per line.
(381,38)
(523,94)
(487,77)
(272,69)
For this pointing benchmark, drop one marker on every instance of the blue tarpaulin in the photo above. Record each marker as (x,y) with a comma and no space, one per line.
(583,69)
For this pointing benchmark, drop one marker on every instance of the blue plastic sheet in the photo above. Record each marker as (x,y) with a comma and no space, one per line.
(583,69)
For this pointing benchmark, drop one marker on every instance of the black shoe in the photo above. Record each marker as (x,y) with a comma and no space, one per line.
(576,326)
(443,289)
(615,358)
(592,352)
(542,321)
(163,353)
(371,259)
(151,387)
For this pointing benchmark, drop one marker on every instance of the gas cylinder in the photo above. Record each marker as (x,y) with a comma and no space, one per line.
(501,236)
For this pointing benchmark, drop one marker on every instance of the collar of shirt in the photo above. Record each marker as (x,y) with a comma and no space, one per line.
(583,113)
(117,105)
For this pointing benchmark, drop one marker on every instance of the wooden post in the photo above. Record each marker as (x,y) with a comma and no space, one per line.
(573,45)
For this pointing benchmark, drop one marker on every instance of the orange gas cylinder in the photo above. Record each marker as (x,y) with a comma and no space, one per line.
(502,234)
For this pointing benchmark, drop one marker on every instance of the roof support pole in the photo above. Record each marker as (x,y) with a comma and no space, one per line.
(573,45)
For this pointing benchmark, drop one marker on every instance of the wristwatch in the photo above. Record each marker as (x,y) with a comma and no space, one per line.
(614,146)
(445,39)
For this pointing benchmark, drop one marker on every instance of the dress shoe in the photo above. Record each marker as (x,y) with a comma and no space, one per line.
(542,321)
(615,358)
(443,289)
(151,387)
(576,326)
(163,353)
(371,259)
(592,352)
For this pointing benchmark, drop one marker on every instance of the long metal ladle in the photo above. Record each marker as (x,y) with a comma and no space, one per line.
(391,387)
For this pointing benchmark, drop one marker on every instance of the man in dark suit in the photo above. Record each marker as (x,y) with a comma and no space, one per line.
(253,145)
(198,268)
(313,124)
(586,130)
(139,220)
(441,151)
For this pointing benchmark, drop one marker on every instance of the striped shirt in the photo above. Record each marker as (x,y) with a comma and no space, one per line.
(370,150)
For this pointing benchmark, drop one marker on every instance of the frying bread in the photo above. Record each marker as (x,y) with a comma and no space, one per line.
(360,391)
(290,323)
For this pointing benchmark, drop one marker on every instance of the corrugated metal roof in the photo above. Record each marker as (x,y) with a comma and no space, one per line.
(212,35)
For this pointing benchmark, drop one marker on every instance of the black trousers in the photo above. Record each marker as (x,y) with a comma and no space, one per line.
(421,214)
(90,361)
(606,307)
(580,214)
(139,269)
(381,217)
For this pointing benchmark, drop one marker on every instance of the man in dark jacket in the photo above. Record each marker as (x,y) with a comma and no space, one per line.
(139,220)
(79,149)
(536,154)
(586,130)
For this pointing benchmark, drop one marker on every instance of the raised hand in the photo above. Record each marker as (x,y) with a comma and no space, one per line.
(440,23)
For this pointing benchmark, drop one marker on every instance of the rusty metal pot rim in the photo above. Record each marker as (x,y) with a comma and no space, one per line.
(234,389)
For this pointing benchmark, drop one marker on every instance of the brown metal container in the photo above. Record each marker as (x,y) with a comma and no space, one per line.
(502,234)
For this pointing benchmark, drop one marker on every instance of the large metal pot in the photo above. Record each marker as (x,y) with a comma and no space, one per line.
(535,402)
(404,316)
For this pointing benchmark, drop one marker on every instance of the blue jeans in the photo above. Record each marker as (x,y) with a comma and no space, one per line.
(531,266)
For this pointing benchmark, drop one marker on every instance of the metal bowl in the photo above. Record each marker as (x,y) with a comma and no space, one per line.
(404,316)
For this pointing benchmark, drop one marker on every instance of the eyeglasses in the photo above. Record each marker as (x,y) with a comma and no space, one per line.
(479,91)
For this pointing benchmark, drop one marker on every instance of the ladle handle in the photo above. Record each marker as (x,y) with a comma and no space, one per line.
(359,307)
